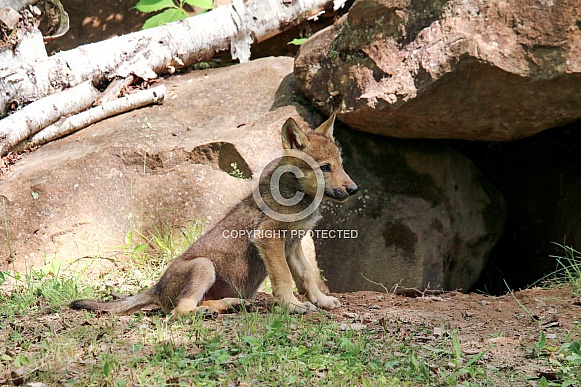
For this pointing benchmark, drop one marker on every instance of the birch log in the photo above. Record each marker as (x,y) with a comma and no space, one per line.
(16,5)
(71,124)
(158,50)
(37,115)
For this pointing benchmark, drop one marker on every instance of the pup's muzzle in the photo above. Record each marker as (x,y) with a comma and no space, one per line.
(341,194)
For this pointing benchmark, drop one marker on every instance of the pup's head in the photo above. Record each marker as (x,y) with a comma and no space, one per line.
(322,147)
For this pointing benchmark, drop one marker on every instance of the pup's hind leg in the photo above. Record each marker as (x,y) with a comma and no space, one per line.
(226,305)
(201,276)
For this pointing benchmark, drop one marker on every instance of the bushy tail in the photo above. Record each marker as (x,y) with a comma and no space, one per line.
(126,305)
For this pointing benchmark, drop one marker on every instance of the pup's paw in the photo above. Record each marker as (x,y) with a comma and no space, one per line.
(204,311)
(300,307)
(327,302)
(207,312)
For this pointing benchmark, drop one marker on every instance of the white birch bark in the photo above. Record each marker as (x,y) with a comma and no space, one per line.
(154,51)
(39,114)
(71,124)
(16,5)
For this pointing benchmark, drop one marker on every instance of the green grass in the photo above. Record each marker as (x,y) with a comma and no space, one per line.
(256,348)
(566,360)
(262,346)
(253,347)
(568,269)
(37,290)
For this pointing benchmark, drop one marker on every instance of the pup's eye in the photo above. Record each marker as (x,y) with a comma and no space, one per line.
(325,168)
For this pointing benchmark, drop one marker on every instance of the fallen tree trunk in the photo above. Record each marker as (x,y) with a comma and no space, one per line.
(158,50)
(79,121)
(39,114)
(16,5)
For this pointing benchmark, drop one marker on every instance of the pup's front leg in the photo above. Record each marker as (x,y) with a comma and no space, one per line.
(272,252)
(305,277)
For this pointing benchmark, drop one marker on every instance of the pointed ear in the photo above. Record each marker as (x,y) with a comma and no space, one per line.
(292,136)
(326,127)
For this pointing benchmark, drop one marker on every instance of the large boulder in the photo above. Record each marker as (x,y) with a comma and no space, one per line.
(149,171)
(466,69)
(425,219)
(163,167)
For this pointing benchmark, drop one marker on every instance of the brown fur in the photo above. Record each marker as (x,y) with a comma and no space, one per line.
(217,273)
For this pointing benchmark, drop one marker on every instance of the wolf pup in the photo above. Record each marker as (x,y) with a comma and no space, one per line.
(218,272)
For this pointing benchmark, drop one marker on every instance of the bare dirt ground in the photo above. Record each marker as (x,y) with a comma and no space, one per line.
(478,321)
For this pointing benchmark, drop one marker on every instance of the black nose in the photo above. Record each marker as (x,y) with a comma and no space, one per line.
(352,190)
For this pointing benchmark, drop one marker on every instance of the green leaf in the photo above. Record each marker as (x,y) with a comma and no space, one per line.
(167,16)
(204,4)
(120,383)
(51,268)
(4,276)
(542,341)
(153,5)
(543,382)
(107,369)
(140,248)
(21,360)
(137,347)
(71,382)
(414,361)
(298,42)
(220,356)
(252,341)
(456,347)
(128,238)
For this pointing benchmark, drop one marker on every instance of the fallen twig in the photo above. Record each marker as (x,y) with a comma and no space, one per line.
(375,283)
